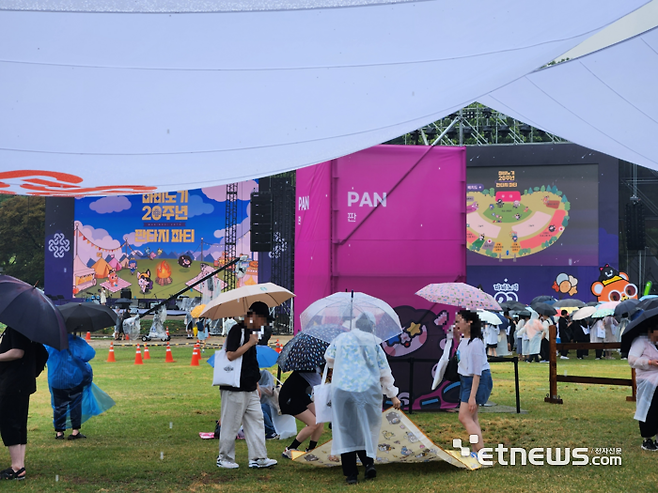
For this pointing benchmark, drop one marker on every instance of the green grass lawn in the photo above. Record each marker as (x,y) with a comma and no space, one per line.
(149,441)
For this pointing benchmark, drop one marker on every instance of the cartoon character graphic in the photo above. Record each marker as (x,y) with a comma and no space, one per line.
(147,252)
(384,447)
(132,265)
(613,285)
(405,451)
(185,261)
(113,278)
(144,281)
(310,458)
(333,458)
(387,434)
(565,284)
(412,437)
(393,418)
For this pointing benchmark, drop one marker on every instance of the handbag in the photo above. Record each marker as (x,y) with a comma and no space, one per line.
(322,399)
(226,372)
(451,373)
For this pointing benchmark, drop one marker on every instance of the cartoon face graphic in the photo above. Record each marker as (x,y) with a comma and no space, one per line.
(144,281)
(384,447)
(310,458)
(613,285)
(393,418)
(412,437)
(113,278)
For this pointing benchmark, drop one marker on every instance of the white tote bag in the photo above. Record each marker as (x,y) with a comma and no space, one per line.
(322,399)
(227,372)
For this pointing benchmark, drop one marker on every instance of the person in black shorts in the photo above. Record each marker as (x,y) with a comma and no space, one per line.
(17,382)
(295,400)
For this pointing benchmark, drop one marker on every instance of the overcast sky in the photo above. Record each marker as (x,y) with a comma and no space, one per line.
(637,22)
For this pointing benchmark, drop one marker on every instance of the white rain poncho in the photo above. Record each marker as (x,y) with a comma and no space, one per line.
(535,331)
(642,350)
(361,375)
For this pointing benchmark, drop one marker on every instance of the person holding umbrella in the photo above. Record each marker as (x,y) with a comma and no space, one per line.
(643,356)
(18,372)
(242,405)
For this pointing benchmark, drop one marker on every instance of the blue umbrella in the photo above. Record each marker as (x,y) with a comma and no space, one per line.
(266,357)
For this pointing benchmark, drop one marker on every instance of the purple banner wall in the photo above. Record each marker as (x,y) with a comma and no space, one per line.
(385,221)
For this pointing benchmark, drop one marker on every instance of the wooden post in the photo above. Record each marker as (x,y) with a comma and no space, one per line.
(552,397)
(632,398)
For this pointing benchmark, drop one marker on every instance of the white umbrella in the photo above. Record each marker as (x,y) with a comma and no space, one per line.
(489,317)
(583,313)
(236,302)
(345,308)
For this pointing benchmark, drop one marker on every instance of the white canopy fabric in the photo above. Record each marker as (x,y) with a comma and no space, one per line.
(128,98)
(605,100)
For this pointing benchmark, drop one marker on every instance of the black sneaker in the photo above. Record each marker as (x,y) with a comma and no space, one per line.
(351,480)
(371,472)
(649,444)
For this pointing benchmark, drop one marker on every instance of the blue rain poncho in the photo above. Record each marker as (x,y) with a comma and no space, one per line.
(69,368)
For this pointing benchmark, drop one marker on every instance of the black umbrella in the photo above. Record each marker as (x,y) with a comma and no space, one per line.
(524,313)
(627,306)
(543,299)
(569,302)
(544,309)
(87,317)
(123,302)
(27,310)
(638,327)
(647,304)
(512,305)
(305,351)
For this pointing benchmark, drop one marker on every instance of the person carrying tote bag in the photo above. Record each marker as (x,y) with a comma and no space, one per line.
(225,371)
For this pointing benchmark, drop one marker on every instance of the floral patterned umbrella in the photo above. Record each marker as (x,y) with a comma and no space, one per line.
(459,294)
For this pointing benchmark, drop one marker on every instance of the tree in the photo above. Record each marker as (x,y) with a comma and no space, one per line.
(22,236)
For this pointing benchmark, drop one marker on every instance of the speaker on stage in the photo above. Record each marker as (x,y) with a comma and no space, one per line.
(635,234)
(261,222)
(126,293)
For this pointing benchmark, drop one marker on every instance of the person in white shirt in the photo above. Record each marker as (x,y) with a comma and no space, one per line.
(474,373)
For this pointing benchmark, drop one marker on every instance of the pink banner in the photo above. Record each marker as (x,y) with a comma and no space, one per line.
(385,221)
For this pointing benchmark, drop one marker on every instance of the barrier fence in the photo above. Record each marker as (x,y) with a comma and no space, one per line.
(554,378)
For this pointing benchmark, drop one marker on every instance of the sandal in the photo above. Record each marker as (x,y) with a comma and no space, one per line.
(9,473)
(59,436)
(76,436)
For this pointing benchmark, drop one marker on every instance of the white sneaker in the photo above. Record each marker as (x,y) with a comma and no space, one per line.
(227,464)
(262,463)
(564,357)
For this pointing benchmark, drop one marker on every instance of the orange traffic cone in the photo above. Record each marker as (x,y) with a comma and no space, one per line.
(126,337)
(88,337)
(167,331)
(110,356)
(169,358)
(146,352)
(138,356)
(278,347)
(195,356)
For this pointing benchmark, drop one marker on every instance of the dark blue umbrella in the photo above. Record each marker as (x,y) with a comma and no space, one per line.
(27,310)
(543,299)
(627,306)
(504,323)
(305,351)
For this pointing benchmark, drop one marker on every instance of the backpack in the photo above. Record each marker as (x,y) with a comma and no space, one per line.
(40,358)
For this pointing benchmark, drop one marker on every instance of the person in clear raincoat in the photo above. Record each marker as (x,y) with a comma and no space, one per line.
(643,356)
(534,330)
(360,375)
